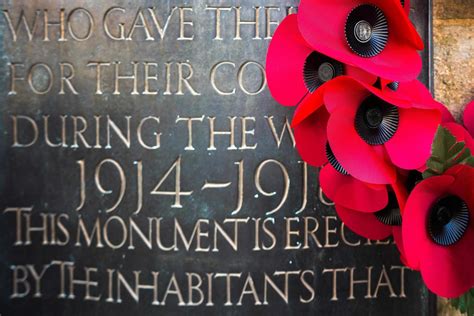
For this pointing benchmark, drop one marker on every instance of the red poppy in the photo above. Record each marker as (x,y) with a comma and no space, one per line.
(294,69)
(372,131)
(375,35)
(310,118)
(336,183)
(438,231)
(378,224)
(468,118)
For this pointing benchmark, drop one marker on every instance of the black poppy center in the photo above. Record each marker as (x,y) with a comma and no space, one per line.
(376,121)
(363,31)
(391,214)
(373,117)
(443,215)
(366,30)
(448,220)
(318,69)
(326,71)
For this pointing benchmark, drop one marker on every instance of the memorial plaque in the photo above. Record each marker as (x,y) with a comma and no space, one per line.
(146,169)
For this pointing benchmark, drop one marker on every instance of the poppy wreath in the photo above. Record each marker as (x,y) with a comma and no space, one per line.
(393,160)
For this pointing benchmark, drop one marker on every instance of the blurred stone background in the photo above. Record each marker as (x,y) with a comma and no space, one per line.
(453,32)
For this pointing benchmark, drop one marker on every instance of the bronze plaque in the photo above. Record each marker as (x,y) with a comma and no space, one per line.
(146,169)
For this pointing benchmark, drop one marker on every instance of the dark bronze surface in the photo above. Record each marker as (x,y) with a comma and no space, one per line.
(47,179)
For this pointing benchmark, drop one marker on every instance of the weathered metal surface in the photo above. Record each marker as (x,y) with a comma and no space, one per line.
(228,182)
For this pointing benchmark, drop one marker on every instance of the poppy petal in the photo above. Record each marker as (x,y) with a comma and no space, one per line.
(415,235)
(400,193)
(344,92)
(413,91)
(351,193)
(311,103)
(446,116)
(397,236)
(406,6)
(326,35)
(447,271)
(463,184)
(360,74)
(286,56)
(409,94)
(410,147)
(311,138)
(364,162)
(468,118)
(363,224)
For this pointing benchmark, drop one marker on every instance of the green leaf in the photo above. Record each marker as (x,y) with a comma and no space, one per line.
(468,161)
(429,173)
(443,142)
(464,303)
(446,152)
(435,165)
(457,148)
(460,157)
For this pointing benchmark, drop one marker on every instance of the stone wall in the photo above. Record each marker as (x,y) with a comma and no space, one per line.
(453,31)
